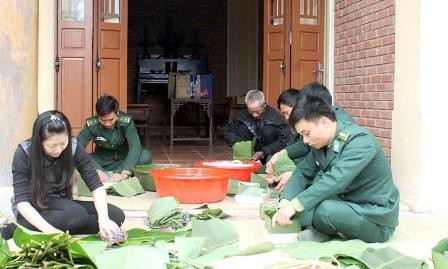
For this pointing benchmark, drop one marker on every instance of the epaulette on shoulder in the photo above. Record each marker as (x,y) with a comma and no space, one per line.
(124,118)
(343,135)
(92,121)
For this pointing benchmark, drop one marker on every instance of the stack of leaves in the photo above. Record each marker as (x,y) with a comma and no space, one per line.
(165,213)
(243,150)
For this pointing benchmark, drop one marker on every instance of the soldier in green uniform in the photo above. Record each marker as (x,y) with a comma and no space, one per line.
(117,145)
(296,149)
(344,185)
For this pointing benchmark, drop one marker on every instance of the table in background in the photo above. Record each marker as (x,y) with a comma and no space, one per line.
(205,105)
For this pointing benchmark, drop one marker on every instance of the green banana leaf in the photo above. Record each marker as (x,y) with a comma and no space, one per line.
(388,258)
(243,150)
(188,247)
(82,249)
(207,260)
(126,188)
(135,257)
(218,232)
(24,237)
(440,254)
(5,253)
(283,164)
(225,251)
(256,249)
(232,188)
(309,250)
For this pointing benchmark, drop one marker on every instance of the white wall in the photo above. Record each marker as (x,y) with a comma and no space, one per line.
(434,103)
(419,127)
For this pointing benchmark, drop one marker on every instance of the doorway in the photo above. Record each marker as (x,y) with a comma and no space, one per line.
(293,45)
(91,56)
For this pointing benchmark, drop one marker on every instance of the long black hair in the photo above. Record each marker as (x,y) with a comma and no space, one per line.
(42,181)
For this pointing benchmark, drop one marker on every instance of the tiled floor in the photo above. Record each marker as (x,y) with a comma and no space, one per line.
(187,152)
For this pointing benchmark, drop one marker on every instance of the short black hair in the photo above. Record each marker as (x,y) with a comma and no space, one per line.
(105,105)
(318,90)
(311,108)
(288,97)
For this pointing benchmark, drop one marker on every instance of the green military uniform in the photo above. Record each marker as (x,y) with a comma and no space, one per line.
(297,150)
(117,149)
(346,187)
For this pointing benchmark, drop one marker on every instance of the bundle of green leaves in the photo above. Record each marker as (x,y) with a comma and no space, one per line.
(165,212)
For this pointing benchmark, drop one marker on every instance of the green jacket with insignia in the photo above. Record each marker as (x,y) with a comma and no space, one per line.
(119,143)
(297,150)
(353,169)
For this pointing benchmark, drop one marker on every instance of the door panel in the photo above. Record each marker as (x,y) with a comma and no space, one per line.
(74,52)
(108,78)
(294,39)
(307,48)
(111,41)
(275,50)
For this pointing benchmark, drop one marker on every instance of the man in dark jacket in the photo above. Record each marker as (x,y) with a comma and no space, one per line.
(261,122)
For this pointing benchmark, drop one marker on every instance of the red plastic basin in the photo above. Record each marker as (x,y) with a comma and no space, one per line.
(192,185)
(238,173)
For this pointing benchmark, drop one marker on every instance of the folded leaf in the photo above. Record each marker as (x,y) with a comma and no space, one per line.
(243,150)
(82,189)
(283,164)
(233,187)
(165,212)
(218,232)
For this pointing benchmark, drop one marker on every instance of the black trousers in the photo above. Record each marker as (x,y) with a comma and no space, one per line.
(76,217)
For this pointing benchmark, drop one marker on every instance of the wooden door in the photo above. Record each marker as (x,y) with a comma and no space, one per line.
(307,48)
(111,49)
(293,45)
(275,49)
(74,60)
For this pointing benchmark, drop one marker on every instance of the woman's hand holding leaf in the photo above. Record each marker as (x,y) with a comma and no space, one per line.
(108,228)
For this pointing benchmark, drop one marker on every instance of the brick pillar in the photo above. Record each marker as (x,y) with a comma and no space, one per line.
(364,64)
(18,77)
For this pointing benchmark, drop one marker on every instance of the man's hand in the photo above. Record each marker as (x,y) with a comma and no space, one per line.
(282,180)
(271,162)
(102,175)
(118,177)
(257,155)
(284,215)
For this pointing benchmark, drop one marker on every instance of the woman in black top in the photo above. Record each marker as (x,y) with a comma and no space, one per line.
(43,181)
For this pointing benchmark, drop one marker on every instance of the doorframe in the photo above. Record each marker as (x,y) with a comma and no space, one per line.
(329,46)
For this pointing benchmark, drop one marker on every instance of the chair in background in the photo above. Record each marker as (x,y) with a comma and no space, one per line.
(140,113)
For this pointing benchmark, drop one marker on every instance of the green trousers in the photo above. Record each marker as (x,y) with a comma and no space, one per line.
(117,166)
(334,216)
